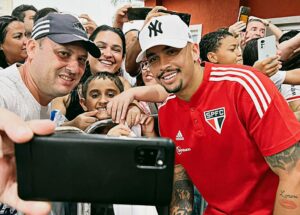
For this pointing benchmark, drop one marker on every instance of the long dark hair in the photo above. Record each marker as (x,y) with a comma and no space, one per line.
(250,53)
(118,31)
(4,22)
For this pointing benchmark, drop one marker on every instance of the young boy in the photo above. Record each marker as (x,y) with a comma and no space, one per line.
(97,91)
(220,47)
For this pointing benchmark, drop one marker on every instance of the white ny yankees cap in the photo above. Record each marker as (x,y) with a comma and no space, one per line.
(167,30)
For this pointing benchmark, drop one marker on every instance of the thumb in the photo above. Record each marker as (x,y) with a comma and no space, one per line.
(91,113)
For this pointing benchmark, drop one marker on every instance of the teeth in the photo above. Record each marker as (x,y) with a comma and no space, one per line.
(106,62)
(168,77)
(101,109)
(66,78)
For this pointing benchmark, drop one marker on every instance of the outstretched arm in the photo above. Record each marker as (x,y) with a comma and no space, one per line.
(183,193)
(286,165)
(15,130)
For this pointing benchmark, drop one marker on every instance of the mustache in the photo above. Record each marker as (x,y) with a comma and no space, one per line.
(162,72)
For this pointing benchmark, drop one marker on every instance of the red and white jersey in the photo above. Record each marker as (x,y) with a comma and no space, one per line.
(236,118)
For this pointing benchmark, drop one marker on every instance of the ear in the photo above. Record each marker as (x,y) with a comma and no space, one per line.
(31,47)
(195,52)
(82,103)
(212,57)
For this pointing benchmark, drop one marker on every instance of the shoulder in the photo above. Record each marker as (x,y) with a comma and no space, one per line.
(170,101)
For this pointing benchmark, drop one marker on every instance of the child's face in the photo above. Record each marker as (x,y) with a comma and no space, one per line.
(99,93)
(229,52)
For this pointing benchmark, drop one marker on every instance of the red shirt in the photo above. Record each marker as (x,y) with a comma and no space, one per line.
(235,119)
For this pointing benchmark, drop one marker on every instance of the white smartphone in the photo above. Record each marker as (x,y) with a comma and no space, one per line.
(266,47)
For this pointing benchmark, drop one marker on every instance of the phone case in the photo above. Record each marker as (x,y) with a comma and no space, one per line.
(96,168)
(266,47)
(139,13)
(244,13)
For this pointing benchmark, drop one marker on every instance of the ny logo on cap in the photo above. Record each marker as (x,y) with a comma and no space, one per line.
(155,27)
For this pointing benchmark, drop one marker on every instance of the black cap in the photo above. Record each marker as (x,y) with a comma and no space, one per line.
(64,28)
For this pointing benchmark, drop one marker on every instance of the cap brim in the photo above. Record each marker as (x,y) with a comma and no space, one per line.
(69,38)
(169,42)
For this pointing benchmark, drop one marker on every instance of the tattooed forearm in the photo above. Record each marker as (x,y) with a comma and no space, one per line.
(183,193)
(285,160)
(288,201)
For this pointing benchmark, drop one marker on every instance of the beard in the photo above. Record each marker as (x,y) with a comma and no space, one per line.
(176,89)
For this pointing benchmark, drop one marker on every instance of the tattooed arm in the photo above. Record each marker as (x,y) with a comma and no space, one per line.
(286,165)
(183,193)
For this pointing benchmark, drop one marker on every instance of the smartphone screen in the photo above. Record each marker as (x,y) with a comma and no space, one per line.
(266,47)
(138,13)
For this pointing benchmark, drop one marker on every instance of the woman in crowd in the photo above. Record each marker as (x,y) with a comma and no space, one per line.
(12,41)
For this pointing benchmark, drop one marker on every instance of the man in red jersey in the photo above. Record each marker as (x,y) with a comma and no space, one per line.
(236,138)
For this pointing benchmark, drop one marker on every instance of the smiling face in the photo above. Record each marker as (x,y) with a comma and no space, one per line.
(111,48)
(99,92)
(14,44)
(55,68)
(176,69)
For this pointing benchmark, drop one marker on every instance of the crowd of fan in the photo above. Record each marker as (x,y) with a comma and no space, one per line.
(85,88)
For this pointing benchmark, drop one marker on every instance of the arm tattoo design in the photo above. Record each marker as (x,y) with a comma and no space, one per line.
(285,160)
(183,193)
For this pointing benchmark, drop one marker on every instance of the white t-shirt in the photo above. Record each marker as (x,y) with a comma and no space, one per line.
(16,97)
(278,78)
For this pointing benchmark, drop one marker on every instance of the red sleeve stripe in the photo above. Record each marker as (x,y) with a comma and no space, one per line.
(245,85)
(249,80)
(294,98)
(250,73)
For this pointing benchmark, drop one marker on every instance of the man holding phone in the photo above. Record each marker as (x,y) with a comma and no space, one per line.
(57,54)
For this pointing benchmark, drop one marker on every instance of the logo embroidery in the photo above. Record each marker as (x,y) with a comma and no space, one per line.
(179,136)
(215,118)
(155,27)
(180,150)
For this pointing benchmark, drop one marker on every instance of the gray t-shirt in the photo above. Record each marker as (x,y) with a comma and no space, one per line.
(16,97)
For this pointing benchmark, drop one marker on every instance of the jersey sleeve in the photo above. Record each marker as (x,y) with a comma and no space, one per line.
(267,117)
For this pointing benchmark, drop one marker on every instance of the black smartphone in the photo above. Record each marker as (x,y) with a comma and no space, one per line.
(244,14)
(186,17)
(139,13)
(96,168)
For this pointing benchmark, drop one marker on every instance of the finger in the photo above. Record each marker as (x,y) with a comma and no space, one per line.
(91,113)
(129,120)
(122,111)
(15,128)
(27,207)
(42,127)
(137,118)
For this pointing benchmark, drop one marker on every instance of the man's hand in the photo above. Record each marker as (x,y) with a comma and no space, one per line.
(82,121)
(118,106)
(268,66)
(121,16)
(14,130)
(90,25)
(237,28)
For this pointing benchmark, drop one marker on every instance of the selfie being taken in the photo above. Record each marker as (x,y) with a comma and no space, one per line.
(142,107)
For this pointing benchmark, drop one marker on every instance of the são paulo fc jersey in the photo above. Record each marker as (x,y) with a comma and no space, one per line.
(234,119)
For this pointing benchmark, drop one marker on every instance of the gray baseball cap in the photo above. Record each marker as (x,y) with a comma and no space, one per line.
(64,28)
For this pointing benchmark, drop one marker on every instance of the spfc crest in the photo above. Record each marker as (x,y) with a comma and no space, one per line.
(215,118)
